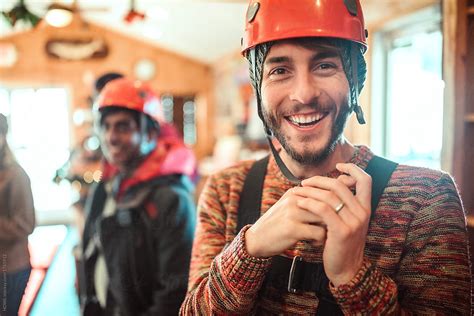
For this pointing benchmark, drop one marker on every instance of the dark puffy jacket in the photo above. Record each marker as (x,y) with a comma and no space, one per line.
(146,244)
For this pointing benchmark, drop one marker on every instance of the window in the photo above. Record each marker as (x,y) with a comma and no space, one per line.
(189,122)
(181,111)
(39,138)
(411,104)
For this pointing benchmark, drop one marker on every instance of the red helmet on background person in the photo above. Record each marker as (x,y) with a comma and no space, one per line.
(340,21)
(133,95)
(138,98)
(270,20)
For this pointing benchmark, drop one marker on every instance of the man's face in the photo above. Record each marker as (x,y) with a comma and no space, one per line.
(121,138)
(305,96)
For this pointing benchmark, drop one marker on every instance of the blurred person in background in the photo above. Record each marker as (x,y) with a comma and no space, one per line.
(140,217)
(85,157)
(323,227)
(81,170)
(17,220)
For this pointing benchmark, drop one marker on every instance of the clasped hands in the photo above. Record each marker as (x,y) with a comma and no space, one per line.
(324,211)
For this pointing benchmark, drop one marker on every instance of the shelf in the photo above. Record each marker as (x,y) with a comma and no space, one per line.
(469,118)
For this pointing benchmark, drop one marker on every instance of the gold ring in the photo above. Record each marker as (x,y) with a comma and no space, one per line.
(339,207)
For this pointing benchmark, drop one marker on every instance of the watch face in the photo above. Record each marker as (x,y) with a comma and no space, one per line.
(144,69)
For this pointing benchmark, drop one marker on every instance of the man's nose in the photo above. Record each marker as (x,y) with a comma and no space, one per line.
(306,88)
(110,136)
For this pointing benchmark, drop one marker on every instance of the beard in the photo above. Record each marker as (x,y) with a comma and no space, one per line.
(310,157)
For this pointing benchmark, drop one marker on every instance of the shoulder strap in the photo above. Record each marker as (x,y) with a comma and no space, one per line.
(95,200)
(380,169)
(251,195)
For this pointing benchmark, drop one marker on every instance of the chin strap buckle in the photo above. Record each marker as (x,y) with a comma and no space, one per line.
(291,277)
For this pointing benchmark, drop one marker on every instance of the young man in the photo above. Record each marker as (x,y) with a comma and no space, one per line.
(319,243)
(140,223)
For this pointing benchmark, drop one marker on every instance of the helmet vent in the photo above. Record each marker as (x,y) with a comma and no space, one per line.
(351,6)
(252,11)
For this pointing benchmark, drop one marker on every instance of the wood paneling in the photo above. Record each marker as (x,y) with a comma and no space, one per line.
(378,12)
(468,122)
(176,74)
(459,96)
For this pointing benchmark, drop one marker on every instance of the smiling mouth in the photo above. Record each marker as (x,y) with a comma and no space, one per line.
(306,120)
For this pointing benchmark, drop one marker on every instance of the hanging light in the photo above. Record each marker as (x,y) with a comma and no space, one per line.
(59,15)
(133,15)
(21,13)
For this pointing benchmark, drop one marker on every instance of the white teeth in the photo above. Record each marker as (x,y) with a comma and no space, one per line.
(305,119)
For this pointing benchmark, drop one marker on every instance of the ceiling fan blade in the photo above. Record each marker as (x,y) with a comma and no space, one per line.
(94,9)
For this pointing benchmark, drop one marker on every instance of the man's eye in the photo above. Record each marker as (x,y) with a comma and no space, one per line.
(325,66)
(325,69)
(123,128)
(278,71)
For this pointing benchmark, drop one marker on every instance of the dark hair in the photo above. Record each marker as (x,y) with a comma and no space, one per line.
(104,79)
(151,125)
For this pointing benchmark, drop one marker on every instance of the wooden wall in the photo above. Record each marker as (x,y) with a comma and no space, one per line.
(378,13)
(176,74)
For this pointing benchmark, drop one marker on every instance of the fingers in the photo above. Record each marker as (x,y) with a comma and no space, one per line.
(333,192)
(298,214)
(347,180)
(322,195)
(326,211)
(363,182)
(353,176)
(315,233)
(307,217)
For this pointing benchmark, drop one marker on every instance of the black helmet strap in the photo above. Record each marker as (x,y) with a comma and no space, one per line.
(355,84)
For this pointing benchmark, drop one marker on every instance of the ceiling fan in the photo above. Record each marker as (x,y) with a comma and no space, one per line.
(59,14)
(21,13)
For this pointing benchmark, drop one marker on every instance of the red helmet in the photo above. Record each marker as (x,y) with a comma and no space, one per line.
(269,20)
(132,95)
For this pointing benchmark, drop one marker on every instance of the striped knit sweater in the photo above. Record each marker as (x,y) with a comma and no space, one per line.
(416,257)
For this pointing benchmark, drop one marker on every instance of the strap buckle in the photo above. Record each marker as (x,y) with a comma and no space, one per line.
(296,259)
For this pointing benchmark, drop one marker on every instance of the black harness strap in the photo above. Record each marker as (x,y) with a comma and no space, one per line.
(305,276)
(251,195)
(380,169)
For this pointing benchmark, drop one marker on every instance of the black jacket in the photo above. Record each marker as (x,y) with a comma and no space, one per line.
(146,245)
